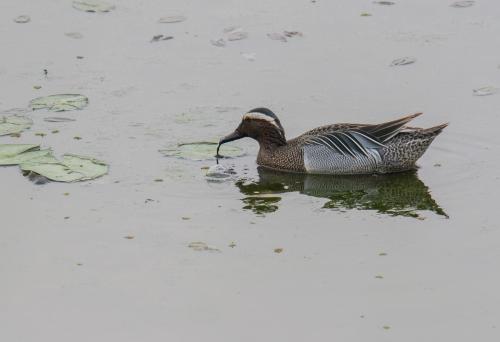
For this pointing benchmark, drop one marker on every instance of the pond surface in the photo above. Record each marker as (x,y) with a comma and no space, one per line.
(156,251)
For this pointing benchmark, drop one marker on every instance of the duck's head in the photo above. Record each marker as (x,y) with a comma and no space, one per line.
(260,124)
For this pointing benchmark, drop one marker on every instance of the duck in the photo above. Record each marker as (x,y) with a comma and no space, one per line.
(336,149)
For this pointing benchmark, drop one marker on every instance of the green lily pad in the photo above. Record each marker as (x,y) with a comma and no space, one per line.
(72,168)
(14,124)
(201,151)
(30,156)
(93,6)
(8,151)
(60,102)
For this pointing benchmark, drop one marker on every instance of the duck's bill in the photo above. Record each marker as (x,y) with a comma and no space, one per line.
(231,137)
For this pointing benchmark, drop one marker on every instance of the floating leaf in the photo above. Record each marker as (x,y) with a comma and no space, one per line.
(14,124)
(159,37)
(10,151)
(403,61)
(74,35)
(277,36)
(291,34)
(237,35)
(72,168)
(202,246)
(58,119)
(93,6)
(172,19)
(462,4)
(249,56)
(201,151)
(484,91)
(219,42)
(60,102)
(22,19)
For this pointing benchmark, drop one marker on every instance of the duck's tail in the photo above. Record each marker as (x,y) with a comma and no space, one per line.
(404,149)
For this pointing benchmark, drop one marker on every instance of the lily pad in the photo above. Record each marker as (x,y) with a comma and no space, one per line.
(172,19)
(10,151)
(60,102)
(403,61)
(201,151)
(72,168)
(14,124)
(29,156)
(93,6)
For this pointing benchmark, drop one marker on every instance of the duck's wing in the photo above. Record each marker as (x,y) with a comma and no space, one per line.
(381,132)
(350,143)
(385,131)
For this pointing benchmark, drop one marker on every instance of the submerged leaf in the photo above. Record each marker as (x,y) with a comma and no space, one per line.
(60,102)
(14,124)
(93,5)
(201,151)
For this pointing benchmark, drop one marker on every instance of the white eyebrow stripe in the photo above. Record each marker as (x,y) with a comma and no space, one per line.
(260,116)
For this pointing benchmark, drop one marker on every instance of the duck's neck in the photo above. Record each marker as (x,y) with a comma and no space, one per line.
(271,140)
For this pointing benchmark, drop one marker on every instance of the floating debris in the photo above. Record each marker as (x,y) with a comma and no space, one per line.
(249,56)
(385,3)
(219,42)
(291,34)
(403,61)
(172,19)
(159,37)
(60,102)
(462,4)
(277,36)
(74,35)
(233,28)
(93,6)
(72,168)
(484,91)
(278,250)
(365,14)
(201,151)
(58,119)
(14,124)
(37,87)
(237,35)
(202,246)
(22,19)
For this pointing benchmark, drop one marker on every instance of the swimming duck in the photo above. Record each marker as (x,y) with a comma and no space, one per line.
(339,149)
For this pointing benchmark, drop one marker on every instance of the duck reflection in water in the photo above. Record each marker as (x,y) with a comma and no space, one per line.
(399,194)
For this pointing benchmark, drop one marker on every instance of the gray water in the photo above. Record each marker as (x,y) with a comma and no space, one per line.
(410,257)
